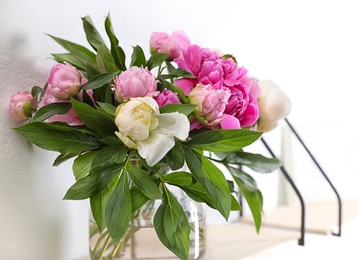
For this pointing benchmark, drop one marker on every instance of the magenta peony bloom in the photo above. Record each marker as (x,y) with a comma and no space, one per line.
(210,102)
(65,81)
(172,45)
(167,97)
(210,68)
(194,58)
(243,102)
(20,106)
(135,82)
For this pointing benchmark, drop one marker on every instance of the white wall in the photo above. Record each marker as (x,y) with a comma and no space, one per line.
(309,48)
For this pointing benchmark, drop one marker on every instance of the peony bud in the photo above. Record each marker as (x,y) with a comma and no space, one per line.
(273,104)
(210,102)
(135,82)
(20,106)
(65,81)
(167,97)
(172,45)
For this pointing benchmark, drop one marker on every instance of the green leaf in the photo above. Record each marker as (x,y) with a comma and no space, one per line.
(223,140)
(111,140)
(36,90)
(98,204)
(108,108)
(95,119)
(117,52)
(100,80)
(178,73)
(71,58)
(230,56)
(175,157)
(91,71)
(138,57)
(256,162)
(110,154)
(193,189)
(251,193)
(118,209)
(57,108)
(92,184)
(82,164)
(104,168)
(80,51)
(60,138)
(180,178)
(144,182)
(185,109)
(212,180)
(172,227)
(156,60)
(92,35)
(138,199)
(173,88)
(63,157)
(105,61)
(235,206)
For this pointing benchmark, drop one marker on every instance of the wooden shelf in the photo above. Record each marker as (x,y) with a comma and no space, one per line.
(320,217)
(239,240)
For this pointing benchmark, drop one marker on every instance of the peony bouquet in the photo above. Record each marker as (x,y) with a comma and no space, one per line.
(122,120)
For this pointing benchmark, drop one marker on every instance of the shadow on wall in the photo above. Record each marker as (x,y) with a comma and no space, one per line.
(31,192)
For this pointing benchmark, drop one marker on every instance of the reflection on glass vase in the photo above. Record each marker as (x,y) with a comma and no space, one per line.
(141,241)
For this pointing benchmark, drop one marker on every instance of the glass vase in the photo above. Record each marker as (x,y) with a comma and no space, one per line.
(141,241)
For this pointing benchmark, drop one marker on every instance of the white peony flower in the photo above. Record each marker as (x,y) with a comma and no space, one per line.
(274,105)
(142,127)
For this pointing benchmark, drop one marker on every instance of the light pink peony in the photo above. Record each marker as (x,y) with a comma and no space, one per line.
(167,97)
(135,82)
(210,102)
(65,81)
(172,45)
(20,106)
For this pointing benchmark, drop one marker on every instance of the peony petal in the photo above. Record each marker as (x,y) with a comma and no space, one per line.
(230,122)
(186,85)
(149,101)
(154,148)
(175,123)
(126,140)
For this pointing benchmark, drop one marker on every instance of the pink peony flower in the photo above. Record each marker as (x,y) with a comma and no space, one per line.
(167,97)
(20,106)
(65,81)
(194,57)
(242,103)
(210,102)
(135,82)
(172,45)
(210,68)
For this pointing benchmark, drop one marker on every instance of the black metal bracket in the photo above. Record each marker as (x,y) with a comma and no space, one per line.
(325,176)
(291,182)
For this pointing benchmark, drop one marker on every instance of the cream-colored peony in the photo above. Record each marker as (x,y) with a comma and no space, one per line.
(274,105)
(142,127)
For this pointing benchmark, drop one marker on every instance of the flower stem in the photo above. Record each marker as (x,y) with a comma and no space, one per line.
(108,240)
(93,252)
